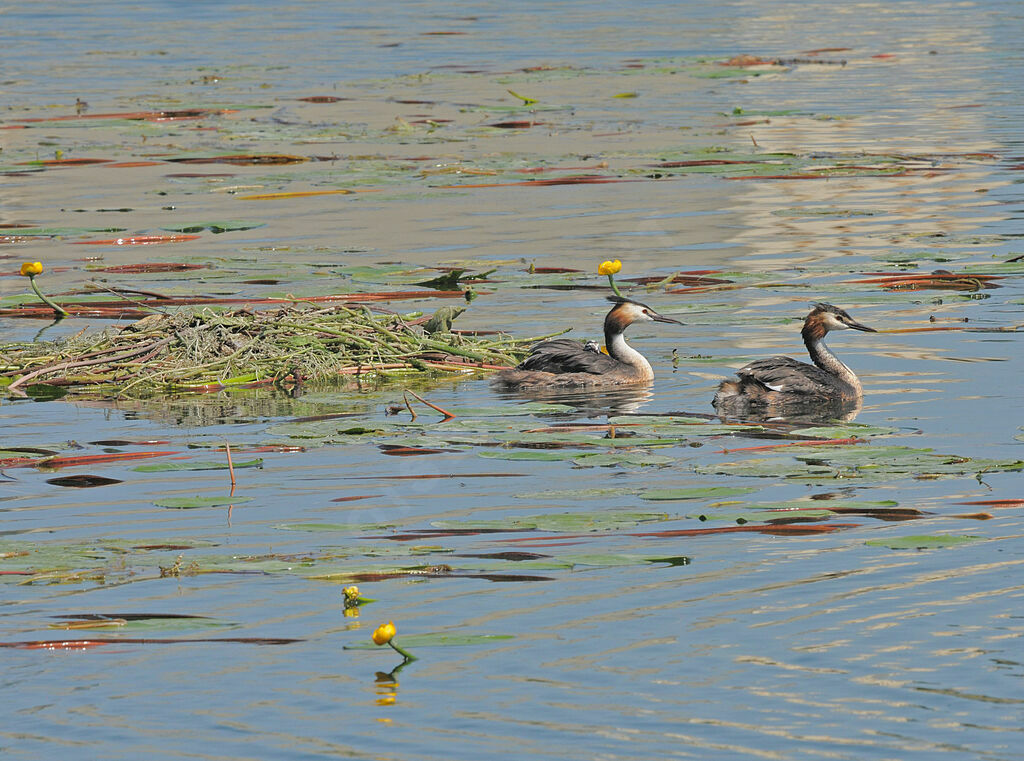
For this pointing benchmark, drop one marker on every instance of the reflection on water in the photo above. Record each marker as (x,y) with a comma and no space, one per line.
(788,409)
(613,400)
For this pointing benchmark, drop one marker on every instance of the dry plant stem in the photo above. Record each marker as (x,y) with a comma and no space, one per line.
(70,365)
(231,465)
(409,407)
(124,295)
(63,363)
(447,415)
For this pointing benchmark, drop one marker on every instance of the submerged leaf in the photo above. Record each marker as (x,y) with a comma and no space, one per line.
(922,541)
(697,492)
(191,503)
(558,522)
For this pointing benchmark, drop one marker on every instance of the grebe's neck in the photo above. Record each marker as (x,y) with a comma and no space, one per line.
(626,354)
(823,357)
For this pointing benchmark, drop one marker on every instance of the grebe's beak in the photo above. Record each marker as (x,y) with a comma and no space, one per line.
(857,326)
(662,318)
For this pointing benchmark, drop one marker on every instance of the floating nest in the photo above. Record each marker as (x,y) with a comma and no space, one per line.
(205,349)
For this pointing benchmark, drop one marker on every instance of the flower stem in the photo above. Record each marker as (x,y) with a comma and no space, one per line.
(59,310)
(404,653)
(615,288)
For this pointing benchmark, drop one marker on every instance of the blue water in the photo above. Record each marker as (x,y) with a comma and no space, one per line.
(763,646)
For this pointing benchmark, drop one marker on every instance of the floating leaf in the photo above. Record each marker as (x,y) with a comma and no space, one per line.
(139,622)
(215,227)
(867,463)
(848,431)
(528,454)
(172,466)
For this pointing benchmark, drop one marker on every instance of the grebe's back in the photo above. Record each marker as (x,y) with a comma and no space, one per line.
(564,363)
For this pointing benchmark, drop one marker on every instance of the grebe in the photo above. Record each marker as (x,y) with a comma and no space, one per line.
(780,381)
(564,363)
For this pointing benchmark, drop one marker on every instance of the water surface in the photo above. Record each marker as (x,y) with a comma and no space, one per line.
(752,643)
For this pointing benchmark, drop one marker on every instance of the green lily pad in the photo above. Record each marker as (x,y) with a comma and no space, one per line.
(215,227)
(848,431)
(865,463)
(132,623)
(171,466)
(922,541)
(528,454)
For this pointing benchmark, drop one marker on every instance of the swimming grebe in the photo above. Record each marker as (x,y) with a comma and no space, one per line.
(564,363)
(783,380)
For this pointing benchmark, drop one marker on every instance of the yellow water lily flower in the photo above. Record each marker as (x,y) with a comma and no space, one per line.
(609,267)
(351,593)
(31,269)
(384,633)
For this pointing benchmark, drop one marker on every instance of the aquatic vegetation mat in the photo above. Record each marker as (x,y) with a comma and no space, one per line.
(205,349)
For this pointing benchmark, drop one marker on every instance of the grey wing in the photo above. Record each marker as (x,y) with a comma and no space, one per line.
(786,375)
(563,355)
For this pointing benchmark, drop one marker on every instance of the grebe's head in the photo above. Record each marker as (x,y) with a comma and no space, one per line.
(626,312)
(825,317)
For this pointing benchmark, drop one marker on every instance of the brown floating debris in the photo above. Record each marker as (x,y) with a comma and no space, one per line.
(516,124)
(152,267)
(243,159)
(939,279)
(153,116)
